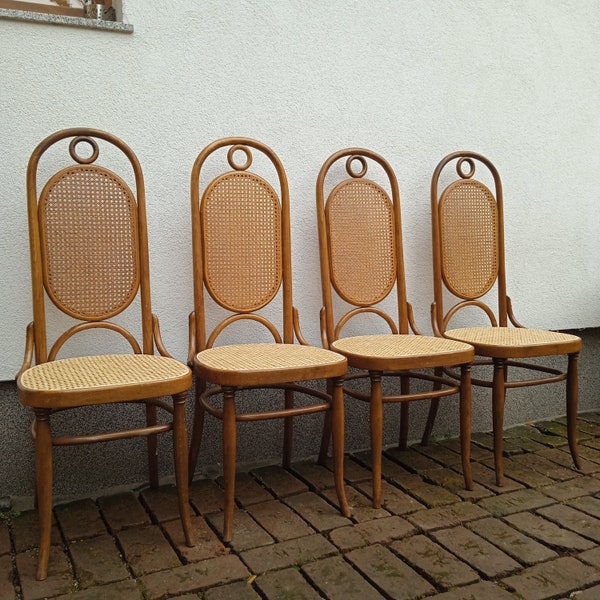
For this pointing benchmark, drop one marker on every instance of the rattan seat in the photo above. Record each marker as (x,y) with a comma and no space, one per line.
(89,266)
(360,243)
(469,270)
(242,261)
(509,342)
(90,379)
(272,363)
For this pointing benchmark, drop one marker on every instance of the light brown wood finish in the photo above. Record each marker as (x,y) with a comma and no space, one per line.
(242,262)
(360,242)
(468,262)
(89,259)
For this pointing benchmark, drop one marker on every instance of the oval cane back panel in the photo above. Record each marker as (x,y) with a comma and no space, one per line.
(360,223)
(88,226)
(468,217)
(241,230)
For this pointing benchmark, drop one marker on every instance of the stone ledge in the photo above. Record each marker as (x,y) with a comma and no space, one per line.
(25,15)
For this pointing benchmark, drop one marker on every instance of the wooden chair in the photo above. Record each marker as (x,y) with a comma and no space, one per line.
(89,259)
(468,259)
(242,258)
(360,243)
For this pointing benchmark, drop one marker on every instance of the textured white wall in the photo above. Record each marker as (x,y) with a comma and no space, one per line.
(518,81)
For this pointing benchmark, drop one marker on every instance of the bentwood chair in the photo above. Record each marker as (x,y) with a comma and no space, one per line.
(468,259)
(89,260)
(242,258)
(360,241)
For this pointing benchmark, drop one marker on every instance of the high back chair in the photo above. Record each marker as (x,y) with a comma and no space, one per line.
(360,242)
(89,260)
(468,263)
(242,259)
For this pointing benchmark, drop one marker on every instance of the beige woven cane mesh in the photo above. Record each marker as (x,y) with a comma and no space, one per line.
(89,372)
(360,221)
(510,336)
(469,238)
(241,226)
(88,224)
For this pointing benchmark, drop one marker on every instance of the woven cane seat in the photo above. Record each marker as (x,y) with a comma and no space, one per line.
(399,352)
(96,376)
(275,363)
(516,342)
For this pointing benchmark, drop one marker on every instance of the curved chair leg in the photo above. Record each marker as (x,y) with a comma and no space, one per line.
(43,469)
(229,458)
(197,429)
(180,451)
(337,419)
(433,410)
(465,423)
(152,445)
(572,401)
(288,430)
(498,398)
(325,436)
(376,435)
(404,406)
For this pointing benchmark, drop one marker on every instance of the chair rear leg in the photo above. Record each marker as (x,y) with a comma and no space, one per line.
(43,470)
(288,430)
(152,444)
(433,410)
(572,402)
(337,420)
(404,419)
(197,428)
(498,398)
(180,451)
(325,437)
(229,458)
(465,394)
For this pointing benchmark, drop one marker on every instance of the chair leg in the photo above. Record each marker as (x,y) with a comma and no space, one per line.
(180,451)
(572,401)
(433,410)
(197,428)
(288,430)
(43,469)
(325,436)
(152,444)
(465,392)
(376,435)
(229,459)
(337,419)
(498,398)
(404,406)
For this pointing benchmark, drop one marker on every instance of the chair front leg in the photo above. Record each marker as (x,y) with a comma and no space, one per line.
(572,402)
(43,470)
(180,451)
(376,418)
(433,409)
(229,459)
(498,399)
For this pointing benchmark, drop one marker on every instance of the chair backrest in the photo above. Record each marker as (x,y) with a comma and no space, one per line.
(360,240)
(241,238)
(88,242)
(468,237)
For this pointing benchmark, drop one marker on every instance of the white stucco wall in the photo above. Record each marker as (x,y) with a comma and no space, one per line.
(518,81)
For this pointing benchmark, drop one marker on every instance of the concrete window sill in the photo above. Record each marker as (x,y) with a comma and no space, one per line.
(24,15)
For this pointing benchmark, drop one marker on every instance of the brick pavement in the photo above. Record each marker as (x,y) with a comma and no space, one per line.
(537,538)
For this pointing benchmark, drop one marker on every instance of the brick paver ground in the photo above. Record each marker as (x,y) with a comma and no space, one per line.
(537,538)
